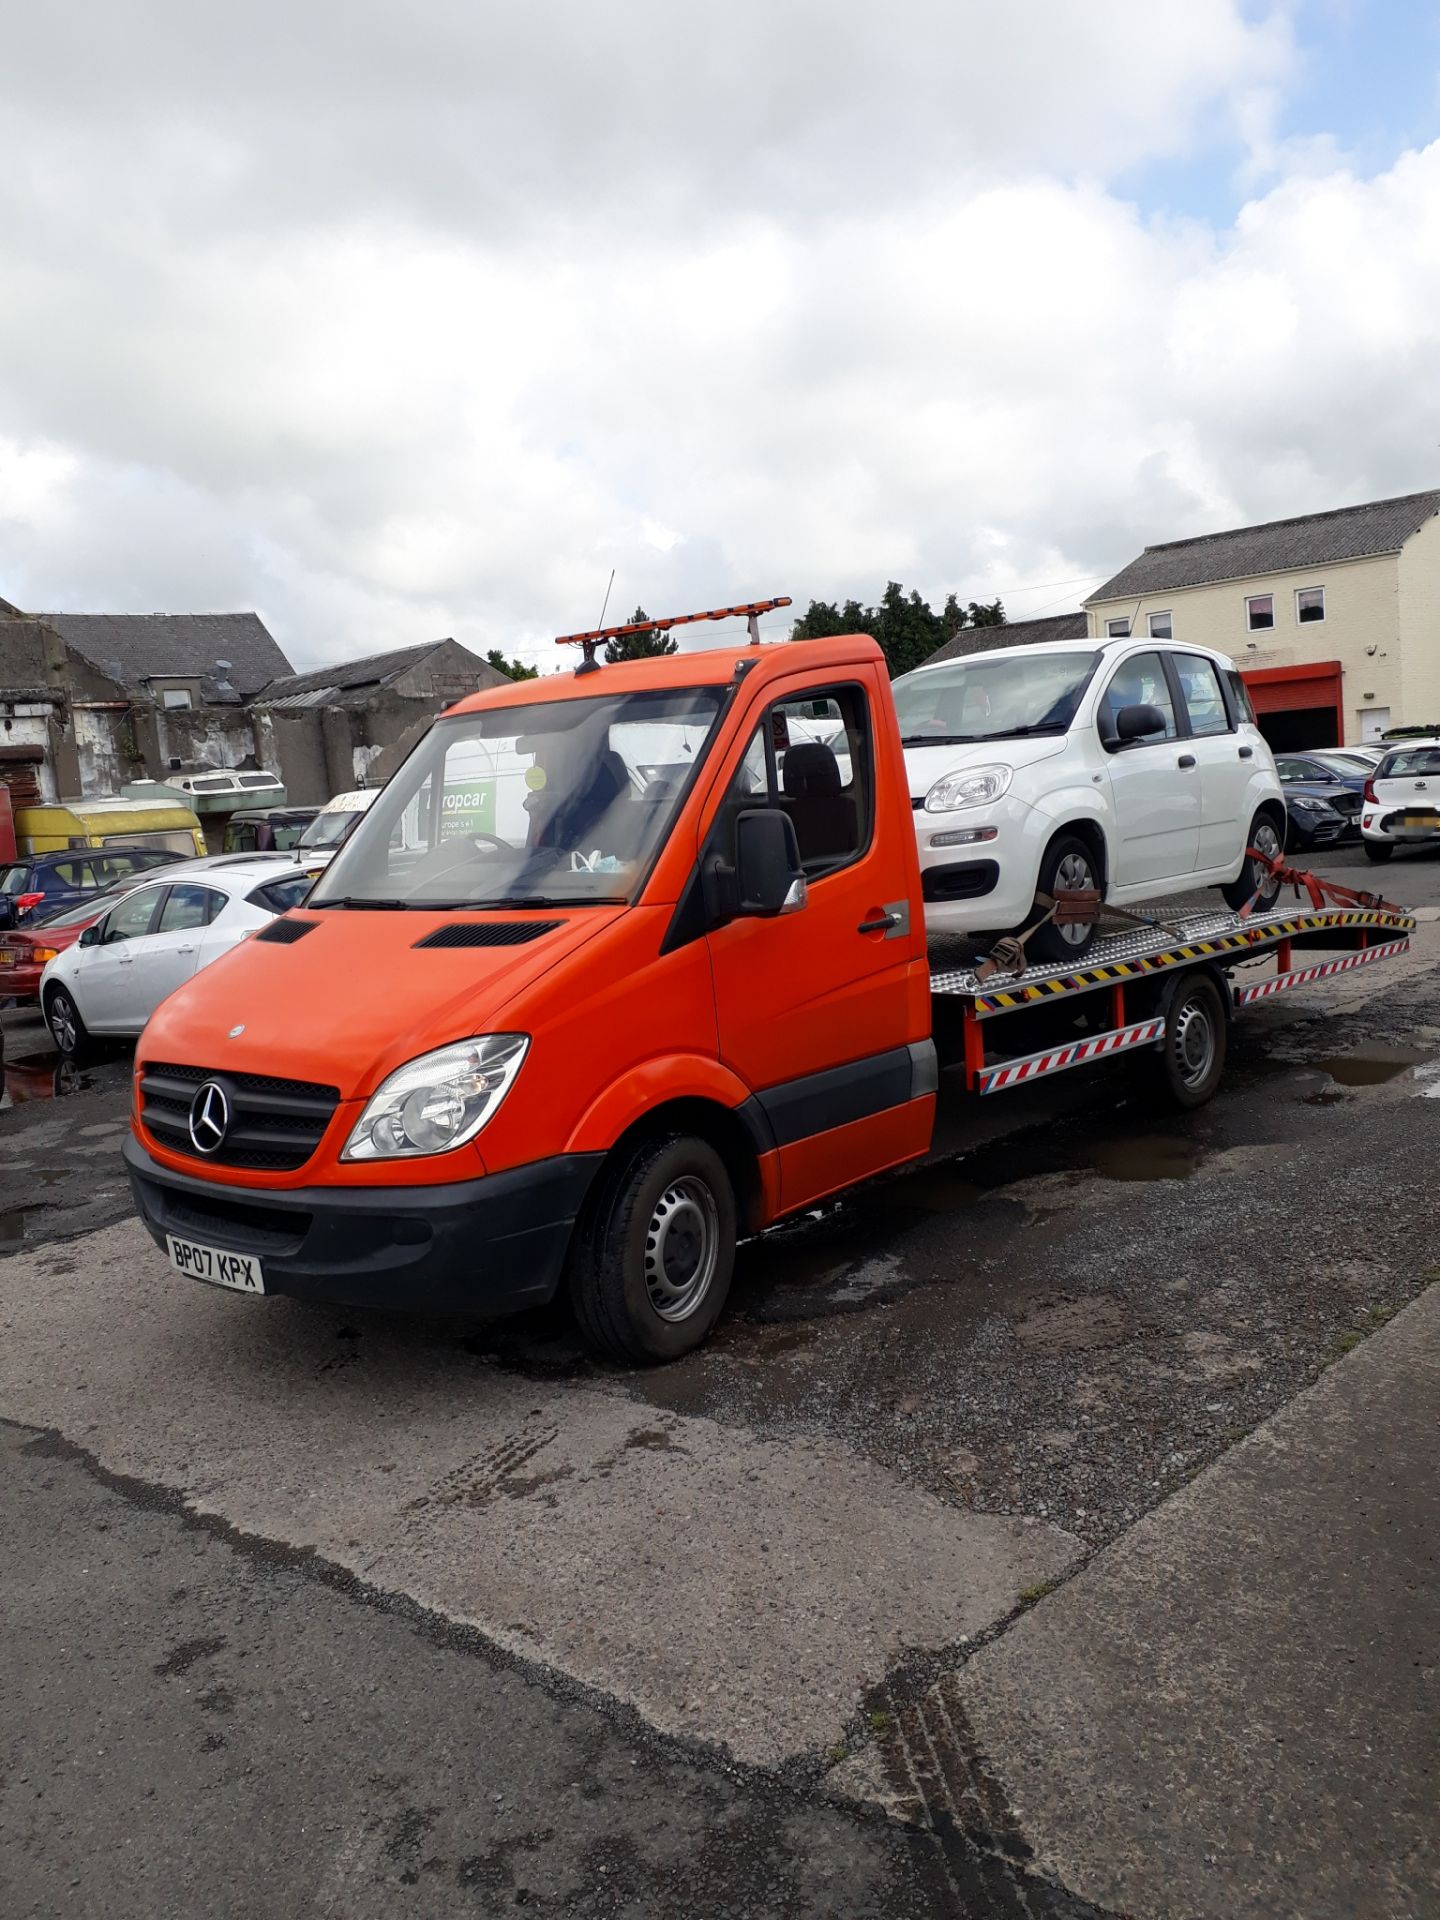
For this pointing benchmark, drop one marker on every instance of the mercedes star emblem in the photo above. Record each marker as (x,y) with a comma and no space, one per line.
(209,1118)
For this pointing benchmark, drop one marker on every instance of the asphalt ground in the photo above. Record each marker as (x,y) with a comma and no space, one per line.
(716,1593)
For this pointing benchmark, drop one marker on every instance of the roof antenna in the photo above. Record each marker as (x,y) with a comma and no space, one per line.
(589,642)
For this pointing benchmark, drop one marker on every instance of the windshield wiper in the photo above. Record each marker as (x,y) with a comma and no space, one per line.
(354,900)
(1019,733)
(939,739)
(550,900)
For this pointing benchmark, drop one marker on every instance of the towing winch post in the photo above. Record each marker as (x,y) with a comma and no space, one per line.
(751,611)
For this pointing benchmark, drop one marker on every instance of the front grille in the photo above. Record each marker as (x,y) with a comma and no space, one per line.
(489,933)
(275,1125)
(221,1222)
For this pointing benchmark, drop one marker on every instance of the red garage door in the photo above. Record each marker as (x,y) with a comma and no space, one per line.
(1298,706)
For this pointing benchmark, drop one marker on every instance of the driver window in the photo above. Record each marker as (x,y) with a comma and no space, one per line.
(1137,682)
(811,758)
(132,917)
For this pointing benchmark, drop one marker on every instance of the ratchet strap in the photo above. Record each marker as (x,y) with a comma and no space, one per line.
(1322,893)
(1076,906)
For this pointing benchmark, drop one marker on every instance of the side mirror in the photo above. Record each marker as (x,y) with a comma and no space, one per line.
(768,876)
(91,936)
(1133,723)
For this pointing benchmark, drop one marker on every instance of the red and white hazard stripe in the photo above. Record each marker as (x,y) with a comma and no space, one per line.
(1302,976)
(1035,1065)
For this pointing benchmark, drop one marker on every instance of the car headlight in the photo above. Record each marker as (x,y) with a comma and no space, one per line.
(439,1101)
(975,787)
(1302,805)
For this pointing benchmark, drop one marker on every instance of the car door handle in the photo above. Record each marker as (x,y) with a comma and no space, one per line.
(184,949)
(1247,753)
(882,925)
(1186,760)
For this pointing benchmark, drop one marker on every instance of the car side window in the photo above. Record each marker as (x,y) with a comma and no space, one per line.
(279,896)
(1137,682)
(188,906)
(1204,700)
(72,873)
(811,758)
(1292,770)
(132,917)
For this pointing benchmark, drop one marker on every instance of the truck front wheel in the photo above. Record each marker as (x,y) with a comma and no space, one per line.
(654,1254)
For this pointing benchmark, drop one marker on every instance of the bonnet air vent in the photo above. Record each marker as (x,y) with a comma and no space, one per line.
(489,933)
(287,932)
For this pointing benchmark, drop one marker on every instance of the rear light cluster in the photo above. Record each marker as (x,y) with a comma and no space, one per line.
(1370,794)
(25,901)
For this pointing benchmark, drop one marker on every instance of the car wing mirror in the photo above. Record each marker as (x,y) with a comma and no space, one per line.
(1133,723)
(91,936)
(769,878)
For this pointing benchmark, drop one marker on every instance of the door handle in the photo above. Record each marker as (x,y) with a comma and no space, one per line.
(184,949)
(1247,753)
(1186,760)
(882,925)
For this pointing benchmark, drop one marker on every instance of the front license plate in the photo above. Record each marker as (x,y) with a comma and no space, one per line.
(238,1270)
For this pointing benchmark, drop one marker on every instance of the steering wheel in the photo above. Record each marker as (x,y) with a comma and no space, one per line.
(502,846)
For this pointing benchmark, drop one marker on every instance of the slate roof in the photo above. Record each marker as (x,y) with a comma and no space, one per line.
(1015,633)
(1279,546)
(130,647)
(352,682)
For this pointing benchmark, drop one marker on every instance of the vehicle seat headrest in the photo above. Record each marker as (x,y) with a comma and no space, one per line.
(810,769)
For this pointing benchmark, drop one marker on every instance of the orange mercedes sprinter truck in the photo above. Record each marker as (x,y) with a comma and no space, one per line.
(621,966)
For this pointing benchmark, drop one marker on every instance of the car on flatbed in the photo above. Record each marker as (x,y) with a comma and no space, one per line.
(1130,766)
(1402,800)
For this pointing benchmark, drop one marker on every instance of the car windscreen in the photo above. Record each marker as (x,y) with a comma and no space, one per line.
(278,896)
(986,697)
(328,829)
(1408,762)
(550,803)
(92,906)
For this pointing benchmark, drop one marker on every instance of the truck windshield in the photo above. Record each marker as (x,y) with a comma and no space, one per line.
(990,698)
(557,803)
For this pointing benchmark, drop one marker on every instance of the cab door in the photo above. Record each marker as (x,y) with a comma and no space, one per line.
(1154,780)
(824,1012)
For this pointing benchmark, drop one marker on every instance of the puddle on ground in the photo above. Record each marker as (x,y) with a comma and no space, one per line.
(45,1077)
(1371,1066)
(1144,1157)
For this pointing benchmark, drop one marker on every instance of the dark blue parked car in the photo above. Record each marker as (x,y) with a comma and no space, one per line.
(41,883)
(1319,779)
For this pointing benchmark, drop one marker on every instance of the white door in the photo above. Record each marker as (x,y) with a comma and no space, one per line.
(103,980)
(166,958)
(1223,767)
(1156,797)
(1373,722)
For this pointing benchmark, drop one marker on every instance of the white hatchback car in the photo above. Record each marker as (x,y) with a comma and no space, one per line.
(1131,765)
(155,937)
(1401,807)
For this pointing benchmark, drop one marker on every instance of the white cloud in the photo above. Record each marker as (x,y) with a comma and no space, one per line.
(397,325)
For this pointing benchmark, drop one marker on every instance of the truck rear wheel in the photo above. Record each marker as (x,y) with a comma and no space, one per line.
(655,1252)
(1191,1059)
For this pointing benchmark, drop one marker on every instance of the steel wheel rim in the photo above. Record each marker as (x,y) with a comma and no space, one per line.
(62,1022)
(1265,840)
(1193,1043)
(1074,875)
(682,1248)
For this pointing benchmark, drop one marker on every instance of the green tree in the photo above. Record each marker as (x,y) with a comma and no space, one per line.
(512,669)
(905,627)
(644,645)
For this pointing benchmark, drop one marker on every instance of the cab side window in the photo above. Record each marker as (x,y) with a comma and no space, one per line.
(1137,682)
(812,759)
(1204,700)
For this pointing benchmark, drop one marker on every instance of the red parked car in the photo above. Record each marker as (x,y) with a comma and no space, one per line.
(26,951)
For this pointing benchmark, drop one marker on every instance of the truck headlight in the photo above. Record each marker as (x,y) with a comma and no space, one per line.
(439,1101)
(975,787)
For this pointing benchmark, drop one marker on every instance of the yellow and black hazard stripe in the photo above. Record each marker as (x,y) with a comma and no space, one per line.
(1254,939)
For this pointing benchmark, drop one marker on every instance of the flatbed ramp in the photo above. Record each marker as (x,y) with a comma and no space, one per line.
(1007,1015)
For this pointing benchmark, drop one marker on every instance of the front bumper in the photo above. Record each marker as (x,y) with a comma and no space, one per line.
(489,1246)
(983,886)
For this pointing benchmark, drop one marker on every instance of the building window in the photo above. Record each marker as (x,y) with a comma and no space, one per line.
(1160,627)
(1309,604)
(174,697)
(1117,629)
(1260,611)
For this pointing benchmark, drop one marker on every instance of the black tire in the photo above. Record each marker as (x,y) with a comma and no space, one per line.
(1191,1059)
(1068,863)
(1268,838)
(67,1029)
(663,1214)
(1379,851)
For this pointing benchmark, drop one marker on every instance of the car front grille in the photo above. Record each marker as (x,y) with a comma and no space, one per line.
(275,1125)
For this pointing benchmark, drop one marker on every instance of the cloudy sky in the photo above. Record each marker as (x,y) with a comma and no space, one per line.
(394,321)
